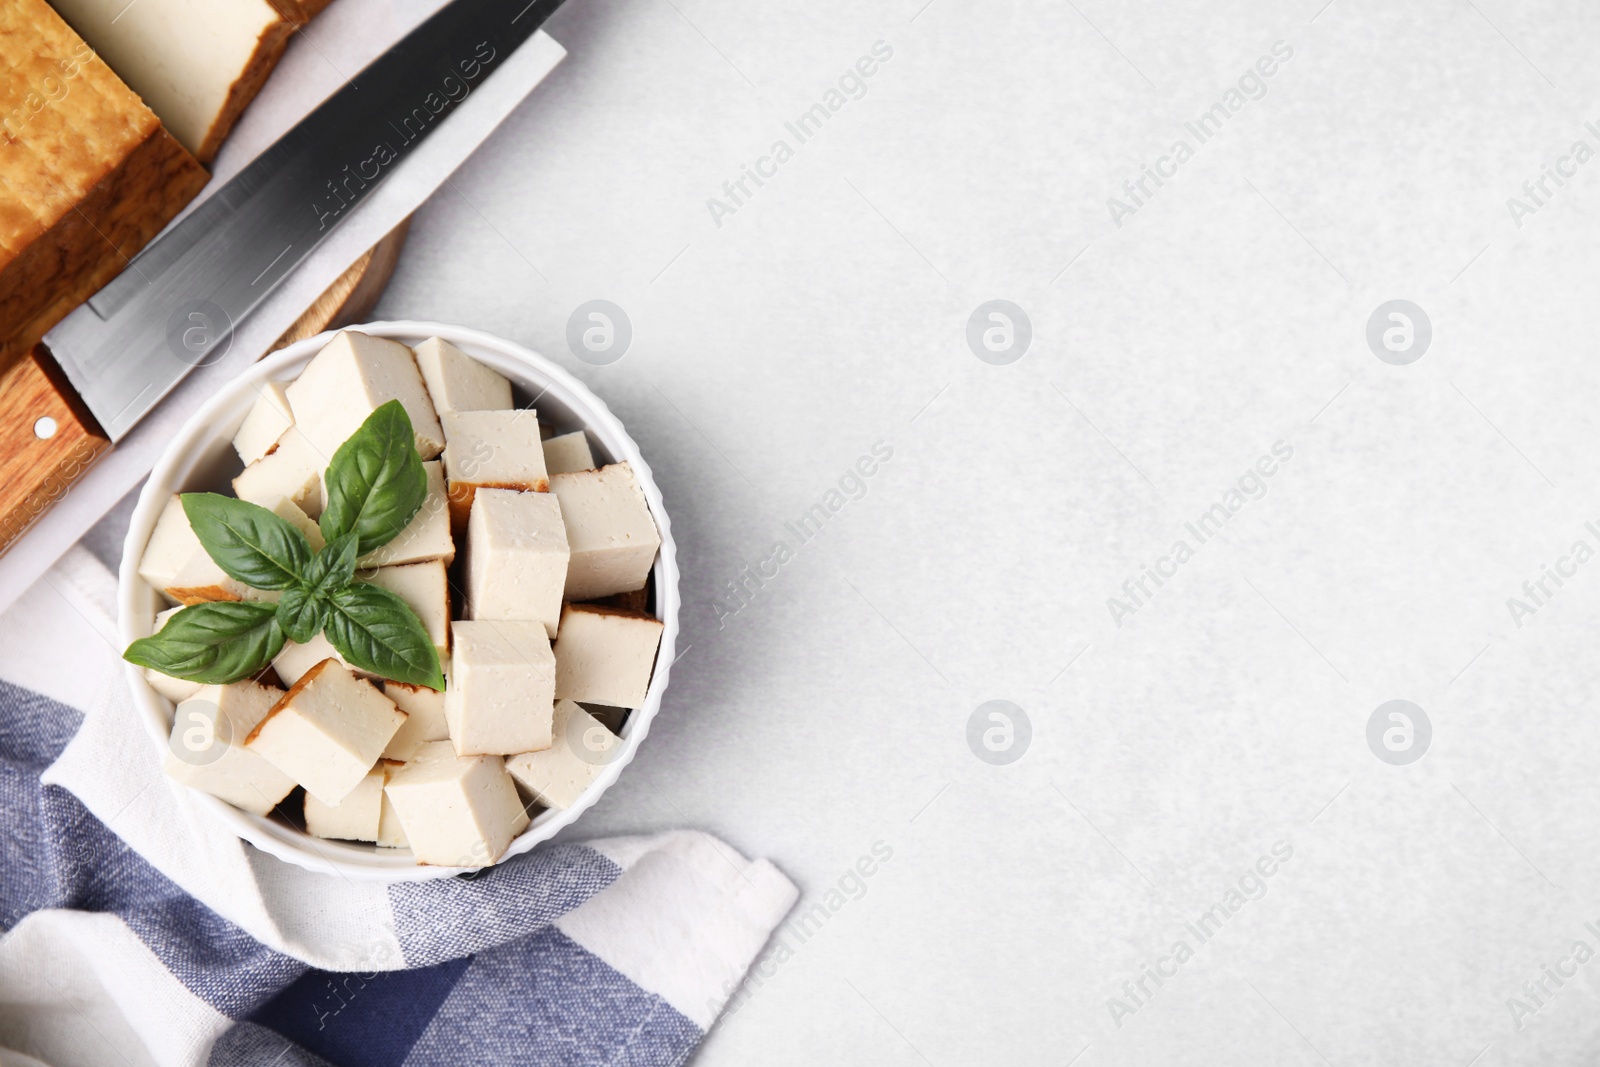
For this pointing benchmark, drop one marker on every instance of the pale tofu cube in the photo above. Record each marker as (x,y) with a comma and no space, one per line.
(605,656)
(557,776)
(516,557)
(296,659)
(178,565)
(610,531)
(174,689)
(327,731)
(293,469)
(457,382)
(491,449)
(567,453)
(291,513)
(355,818)
(352,377)
(456,811)
(269,418)
(501,695)
(425,719)
(391,834)
(207,748)
(426,537)
(426,588)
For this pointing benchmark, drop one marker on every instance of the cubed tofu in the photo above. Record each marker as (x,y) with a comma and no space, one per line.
(610,531)
(269,419)
(207,748)
(174,689)
(567,453)
(178,565)
(296,659)
(327,731)
(456,811)
(557,776)
(457,382)
(428,535)
(355,818)
(425,719)
(605,656)
(516,558)
(292,469)
(390,833)
(291,513)
(491,449)
(501,695)
(426,588)
(352,377)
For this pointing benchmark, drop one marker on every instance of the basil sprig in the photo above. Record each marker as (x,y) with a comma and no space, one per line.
(376,486)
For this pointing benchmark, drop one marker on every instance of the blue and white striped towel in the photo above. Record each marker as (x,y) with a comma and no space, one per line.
(132,933)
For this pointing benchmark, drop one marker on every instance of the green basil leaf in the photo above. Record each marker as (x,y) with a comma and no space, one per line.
(247,541)
(333,567)
(302,612)
(377,631)
(375,482)
(213,643)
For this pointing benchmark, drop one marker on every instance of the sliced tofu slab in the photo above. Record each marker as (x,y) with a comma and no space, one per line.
(355,818)
(491,449)
(426,588)
(605,656)
(327,731)
(425,719)
(610,531)
(557,776)
(207,750)
(352,377)
(501,695)
(456,811)
(457,382)
(269,419)
(567,453)
(178,565)
(516,558)
(428,535)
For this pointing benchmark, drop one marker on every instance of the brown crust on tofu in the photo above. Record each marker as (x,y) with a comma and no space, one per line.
(633,600)
(283,701)
(462,493)
(190,595)
(603,609)
(269,49)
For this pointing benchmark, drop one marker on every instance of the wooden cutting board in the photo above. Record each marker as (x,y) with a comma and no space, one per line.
(50,439)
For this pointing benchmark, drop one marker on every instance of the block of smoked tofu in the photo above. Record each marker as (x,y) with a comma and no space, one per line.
(456,811)
(196,63)
(87,172)
(605,656)
(610,532)
(491,450)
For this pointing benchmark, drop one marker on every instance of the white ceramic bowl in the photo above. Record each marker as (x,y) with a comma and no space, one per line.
(201,457)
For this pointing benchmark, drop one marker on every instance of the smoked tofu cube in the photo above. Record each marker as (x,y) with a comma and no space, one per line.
(352,377)
(610,531)
(425,719)
(295,660)
(456,811)
(457,382)
(426,588)
(178,565)
(491,449)
(268,420)
(174,689)
(557,776)
(568,453)
(501,695)
(355,818)
(426,537)
(605,656)
(327,731)
(390,833)
(516,558)
(293,469)
(207,750)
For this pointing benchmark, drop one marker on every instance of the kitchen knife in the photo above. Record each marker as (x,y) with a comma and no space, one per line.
(176,305)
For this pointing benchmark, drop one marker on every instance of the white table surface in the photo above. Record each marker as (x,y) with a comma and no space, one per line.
(1229,713)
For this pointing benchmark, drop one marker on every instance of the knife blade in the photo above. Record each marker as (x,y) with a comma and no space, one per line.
(176,306)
